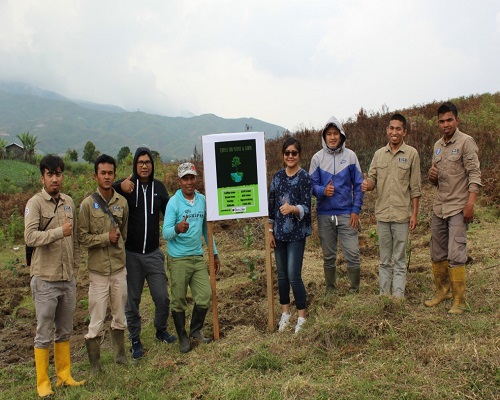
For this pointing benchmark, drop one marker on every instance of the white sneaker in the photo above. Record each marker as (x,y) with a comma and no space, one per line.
(300,322)
(285,319)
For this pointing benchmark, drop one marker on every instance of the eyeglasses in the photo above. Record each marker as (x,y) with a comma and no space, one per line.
(292,153)
(144,163)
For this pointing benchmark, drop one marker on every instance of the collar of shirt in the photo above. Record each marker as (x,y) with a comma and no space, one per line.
(402,148)
(452,140)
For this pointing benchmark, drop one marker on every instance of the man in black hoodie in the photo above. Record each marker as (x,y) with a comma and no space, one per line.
(146,198)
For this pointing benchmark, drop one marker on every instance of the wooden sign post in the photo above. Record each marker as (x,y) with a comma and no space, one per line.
(236,187)
(211,267)
(271,324)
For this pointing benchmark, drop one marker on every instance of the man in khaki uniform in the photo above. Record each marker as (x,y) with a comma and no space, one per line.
(50,228)
(456,174)
(395,172)
(102,228)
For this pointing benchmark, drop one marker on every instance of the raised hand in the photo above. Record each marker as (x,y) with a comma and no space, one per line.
(329,189)
(286,208)
(67,227)
(127,185)
(183,226)
(114,235)
(366,185)
(433,173)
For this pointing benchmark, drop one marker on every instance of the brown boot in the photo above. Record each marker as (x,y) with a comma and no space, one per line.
(457,277)
(441,281)
(118,340)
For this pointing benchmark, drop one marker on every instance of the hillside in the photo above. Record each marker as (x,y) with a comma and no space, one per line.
(363,346)
(60,124)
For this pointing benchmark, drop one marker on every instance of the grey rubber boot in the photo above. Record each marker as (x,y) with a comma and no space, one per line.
(197,322)
(94,351)
(118,340)
(354,277)
(180,326)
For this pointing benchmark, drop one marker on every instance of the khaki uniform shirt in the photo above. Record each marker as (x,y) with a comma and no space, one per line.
(458,173)
(56,257)
(397,180)
(94,226)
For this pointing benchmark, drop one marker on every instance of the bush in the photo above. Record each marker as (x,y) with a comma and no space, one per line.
(9,186)
(15,228)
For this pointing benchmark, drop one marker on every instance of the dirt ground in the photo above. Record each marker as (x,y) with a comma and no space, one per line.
(241,300)
(18,323)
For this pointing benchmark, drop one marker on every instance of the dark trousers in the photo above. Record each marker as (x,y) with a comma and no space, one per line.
(150,268)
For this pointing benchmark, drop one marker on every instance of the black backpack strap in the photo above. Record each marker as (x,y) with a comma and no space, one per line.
(104,207)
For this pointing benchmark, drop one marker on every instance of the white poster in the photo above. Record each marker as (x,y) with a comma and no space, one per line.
(235,175)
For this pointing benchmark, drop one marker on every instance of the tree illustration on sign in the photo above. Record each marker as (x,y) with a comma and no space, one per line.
(236,176)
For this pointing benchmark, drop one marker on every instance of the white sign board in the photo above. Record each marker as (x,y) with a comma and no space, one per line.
(234,166)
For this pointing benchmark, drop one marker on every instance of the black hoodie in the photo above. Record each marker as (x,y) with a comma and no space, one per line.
(145,204)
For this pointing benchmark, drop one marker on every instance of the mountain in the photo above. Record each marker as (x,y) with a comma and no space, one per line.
(60,124)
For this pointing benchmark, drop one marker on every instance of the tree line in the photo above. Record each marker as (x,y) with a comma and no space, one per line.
(30,141)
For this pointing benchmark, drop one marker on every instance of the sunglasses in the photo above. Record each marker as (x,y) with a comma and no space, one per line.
(292,153)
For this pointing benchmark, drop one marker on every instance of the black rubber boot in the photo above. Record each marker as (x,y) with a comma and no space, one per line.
(94,352)
(354,277)
(330,280)
(118,340)
(180,326)
(197,322)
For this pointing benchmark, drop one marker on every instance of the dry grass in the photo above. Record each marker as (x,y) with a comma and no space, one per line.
(353,347)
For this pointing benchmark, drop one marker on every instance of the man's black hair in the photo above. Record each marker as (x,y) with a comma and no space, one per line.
(51,163)
(448,107)
(104,159)
(399,117)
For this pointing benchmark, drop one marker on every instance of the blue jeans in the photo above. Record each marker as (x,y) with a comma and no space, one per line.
(289,256)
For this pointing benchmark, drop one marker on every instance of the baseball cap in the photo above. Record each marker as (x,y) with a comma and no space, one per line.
(186,169)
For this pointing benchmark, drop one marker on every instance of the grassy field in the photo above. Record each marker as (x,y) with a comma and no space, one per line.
(361,346)
(353,346)
(16,175)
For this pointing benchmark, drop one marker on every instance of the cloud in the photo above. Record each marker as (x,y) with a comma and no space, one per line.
(292,63)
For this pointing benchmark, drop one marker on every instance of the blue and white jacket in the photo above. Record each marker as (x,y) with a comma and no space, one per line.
(341,166)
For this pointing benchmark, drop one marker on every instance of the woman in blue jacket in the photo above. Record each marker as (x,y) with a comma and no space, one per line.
(289,225)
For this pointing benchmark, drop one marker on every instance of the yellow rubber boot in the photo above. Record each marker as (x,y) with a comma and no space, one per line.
(62,361)
(457,277)
(441,281)
(43,386)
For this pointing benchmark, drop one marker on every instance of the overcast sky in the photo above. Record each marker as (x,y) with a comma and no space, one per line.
(289,62)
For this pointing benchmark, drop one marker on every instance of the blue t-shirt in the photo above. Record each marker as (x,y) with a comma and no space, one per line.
(188,243)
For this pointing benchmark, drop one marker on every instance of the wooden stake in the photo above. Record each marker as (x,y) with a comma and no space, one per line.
(271,324)
(211,267)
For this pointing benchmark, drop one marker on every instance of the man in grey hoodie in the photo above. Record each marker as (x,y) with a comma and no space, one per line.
(146,198)
(336,181)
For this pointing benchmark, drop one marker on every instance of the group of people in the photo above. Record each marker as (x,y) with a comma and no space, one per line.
(336,180)
(119,224)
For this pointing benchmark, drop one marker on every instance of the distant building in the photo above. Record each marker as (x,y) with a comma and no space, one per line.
(14,151)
